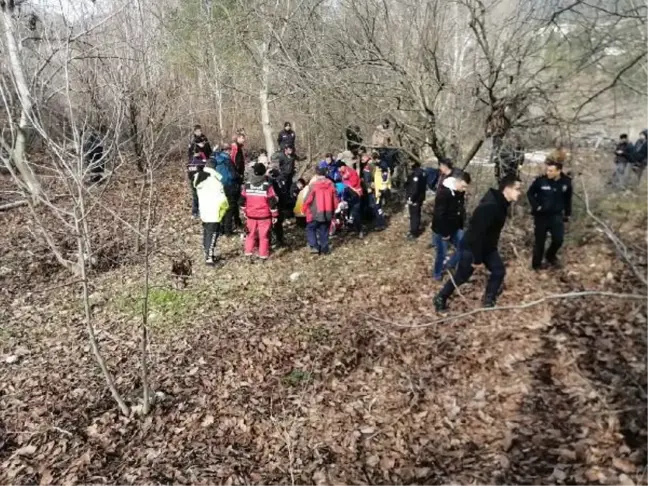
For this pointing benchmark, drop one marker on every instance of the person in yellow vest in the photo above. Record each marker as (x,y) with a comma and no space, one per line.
(301,188)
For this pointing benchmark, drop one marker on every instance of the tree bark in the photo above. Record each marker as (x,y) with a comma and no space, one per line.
(263,98)
(19,149)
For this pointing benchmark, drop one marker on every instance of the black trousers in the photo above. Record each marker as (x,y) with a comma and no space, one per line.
(415,219)
(543,224)
(210,236)
(493,263)
(278,229)
(232,217)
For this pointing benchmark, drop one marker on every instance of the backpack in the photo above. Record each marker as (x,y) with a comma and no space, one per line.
(225,168)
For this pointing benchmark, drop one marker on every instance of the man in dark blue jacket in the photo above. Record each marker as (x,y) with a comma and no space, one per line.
(415,188)
(479,245)
(623,156)
(550,196)
(640,155)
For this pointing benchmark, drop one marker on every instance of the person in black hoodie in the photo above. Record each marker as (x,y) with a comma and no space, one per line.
(448,219)
(550,196)
(282,190)
(415,188)
(479,246)
(640,155)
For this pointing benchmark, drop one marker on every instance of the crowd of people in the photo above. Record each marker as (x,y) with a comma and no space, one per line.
(351,189)
(630,160)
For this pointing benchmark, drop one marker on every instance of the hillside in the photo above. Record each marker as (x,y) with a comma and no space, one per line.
(322,370)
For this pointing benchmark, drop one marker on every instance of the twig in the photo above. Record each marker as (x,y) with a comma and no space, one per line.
(526,305)
(16,204)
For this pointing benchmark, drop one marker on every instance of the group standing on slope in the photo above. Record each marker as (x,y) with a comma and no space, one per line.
(355,186)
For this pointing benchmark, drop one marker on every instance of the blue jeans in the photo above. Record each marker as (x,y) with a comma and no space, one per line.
(441,246)
(317,234)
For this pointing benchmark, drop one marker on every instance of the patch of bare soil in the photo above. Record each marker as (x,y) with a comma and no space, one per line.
(299,370)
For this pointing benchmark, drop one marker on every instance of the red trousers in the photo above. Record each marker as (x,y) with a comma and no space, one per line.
(258,228)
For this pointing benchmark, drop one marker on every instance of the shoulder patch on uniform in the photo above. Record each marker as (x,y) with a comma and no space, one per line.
(415,179)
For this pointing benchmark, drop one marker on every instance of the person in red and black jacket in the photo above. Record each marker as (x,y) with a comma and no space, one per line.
(353,195)
(319,208)
(260,206)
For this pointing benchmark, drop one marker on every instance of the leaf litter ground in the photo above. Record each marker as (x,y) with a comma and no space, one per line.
(297,371)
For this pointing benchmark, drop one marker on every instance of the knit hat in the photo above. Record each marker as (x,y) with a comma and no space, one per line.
(259,169)
(322,168)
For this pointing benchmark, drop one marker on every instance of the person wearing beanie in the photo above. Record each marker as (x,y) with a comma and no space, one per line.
(260,206)
(319,208)
(213,205)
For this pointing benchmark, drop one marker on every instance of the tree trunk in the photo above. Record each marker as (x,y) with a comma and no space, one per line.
(18,152)
(263,98)
(472,152)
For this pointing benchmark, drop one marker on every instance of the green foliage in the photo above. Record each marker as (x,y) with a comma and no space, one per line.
(297,377)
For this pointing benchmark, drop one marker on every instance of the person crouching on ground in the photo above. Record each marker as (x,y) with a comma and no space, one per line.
(480,242)
(213,205)
(260,206)
(319,208)
(448,220)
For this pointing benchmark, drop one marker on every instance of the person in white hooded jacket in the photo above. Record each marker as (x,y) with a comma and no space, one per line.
(448,219)
(212,203)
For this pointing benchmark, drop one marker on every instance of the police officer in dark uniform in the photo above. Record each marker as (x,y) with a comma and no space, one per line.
(550,196)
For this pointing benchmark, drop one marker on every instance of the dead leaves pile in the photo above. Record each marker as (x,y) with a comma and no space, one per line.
(293,372)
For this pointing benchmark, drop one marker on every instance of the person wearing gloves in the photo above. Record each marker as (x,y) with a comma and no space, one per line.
(550,196)
(319,207)
(415,188)
(213,205)
(480,242)
(260,206)
(448,220)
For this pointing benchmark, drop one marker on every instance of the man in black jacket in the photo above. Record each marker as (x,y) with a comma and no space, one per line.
(286,137)
(550,196)
(448,219)
(623,156)
(479,246)
(640,155)
(415,188)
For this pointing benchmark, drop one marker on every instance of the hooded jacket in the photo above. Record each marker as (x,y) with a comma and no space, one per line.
(258,198)
(486,225)
(641,150)
(449,209)
(212,200)
(551,197)
(321,201)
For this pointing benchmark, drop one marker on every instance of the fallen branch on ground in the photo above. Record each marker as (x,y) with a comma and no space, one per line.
(16,204)
(526,305)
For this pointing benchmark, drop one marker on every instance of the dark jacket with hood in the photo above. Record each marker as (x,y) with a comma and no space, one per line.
(449,209)
(486,225)
(641,150)
(623,153)
(416,186)
(551,197)
(287,166)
